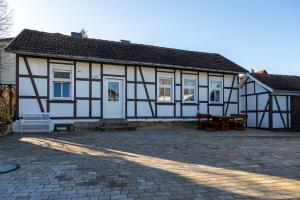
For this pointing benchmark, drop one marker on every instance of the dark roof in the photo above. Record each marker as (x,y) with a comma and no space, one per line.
(279,82)
(47,44)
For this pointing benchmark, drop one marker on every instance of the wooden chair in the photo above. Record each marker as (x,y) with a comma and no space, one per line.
(239,122)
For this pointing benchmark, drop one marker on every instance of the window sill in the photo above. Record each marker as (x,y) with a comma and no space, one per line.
(211,102)
(189,102)
(61,101)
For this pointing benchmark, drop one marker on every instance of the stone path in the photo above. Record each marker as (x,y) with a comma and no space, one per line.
(152,164)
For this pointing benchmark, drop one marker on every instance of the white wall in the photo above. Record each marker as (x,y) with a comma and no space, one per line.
(281,120)
(259,105)
(85,107)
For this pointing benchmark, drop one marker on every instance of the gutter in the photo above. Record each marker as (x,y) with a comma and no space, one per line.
(284,92)
(123,62)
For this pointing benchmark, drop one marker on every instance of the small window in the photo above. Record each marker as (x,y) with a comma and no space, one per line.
(113,91)
(165,93)
(189,90)
(61,84)
(215,90)
(62,75)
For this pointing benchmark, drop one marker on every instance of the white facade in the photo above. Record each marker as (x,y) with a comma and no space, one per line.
(72,90)
(265,108)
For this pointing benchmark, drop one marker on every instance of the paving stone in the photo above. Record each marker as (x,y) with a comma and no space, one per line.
(170,163)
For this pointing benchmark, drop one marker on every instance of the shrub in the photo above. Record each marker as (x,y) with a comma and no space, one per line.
(4,115)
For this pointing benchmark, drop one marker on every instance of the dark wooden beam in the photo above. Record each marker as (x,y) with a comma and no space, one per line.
(17,87)
(75,100)
(90,89)
(33,85)
(279,109)
(229,97)
(263,115)
(146,91)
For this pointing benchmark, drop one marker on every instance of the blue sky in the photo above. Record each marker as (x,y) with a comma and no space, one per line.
(258,34)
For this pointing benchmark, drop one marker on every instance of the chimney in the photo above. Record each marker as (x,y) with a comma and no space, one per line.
(263,72)
(76,35)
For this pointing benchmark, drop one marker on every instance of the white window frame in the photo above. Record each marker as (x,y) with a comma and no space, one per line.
(61,68)
(166,76)
(194,78)
(220,79)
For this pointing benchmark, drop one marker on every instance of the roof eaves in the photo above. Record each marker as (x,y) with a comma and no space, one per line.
(255,79)
(119,61)
(286,92)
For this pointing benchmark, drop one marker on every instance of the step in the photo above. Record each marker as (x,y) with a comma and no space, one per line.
(117,128)
(112,122)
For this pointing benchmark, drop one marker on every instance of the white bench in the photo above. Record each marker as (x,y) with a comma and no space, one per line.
(36,120)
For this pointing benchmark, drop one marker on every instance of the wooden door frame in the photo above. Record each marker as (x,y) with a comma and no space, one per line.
(105,95)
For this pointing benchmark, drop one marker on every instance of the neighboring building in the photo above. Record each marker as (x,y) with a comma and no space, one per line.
(7,63)
(271,101)
(75,78)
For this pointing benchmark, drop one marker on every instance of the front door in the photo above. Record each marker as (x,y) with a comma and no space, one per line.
(113,98)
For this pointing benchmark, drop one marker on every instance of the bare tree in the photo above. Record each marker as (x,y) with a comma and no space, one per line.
(83,33)
(5,18)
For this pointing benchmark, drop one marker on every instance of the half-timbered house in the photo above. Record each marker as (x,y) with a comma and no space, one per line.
(271,101)
(82,79)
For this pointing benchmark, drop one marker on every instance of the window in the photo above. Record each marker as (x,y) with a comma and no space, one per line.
(215,90)
(113,91)
(165,85)
(61,84)
(189,90)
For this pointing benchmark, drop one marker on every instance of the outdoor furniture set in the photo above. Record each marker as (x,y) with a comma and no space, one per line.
(222,123)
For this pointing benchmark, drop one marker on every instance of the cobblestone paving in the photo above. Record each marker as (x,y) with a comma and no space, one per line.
(152,164)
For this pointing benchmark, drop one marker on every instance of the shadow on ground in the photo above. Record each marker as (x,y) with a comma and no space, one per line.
(157,164)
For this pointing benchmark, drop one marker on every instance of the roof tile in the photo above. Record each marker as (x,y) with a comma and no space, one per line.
(36,42)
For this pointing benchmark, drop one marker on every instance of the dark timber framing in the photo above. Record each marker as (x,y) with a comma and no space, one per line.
(17,86)
(102,83)
(36,92)
(230,92)
(280,112)
(178,104)
(48,85)
(90,89)
(126,81)
(269,108)
(146,91)
(75,99)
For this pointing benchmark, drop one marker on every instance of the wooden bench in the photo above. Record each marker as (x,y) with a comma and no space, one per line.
(239,122)
(35,120)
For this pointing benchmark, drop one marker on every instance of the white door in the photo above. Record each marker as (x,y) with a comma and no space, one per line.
(113,98)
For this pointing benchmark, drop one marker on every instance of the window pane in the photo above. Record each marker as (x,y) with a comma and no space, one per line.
(215,96)
(189,95)
(113,91)
(62,75)
(57,89)
(164,94)
(167,94)
(66,89)
(161,94)
(165,81)
(188,82)
(215,85)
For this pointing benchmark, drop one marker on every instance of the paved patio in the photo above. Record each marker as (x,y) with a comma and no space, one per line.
(152,164)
